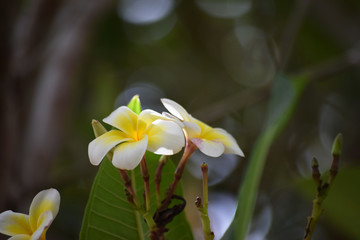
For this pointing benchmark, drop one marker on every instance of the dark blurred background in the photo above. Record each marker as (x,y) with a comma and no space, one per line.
(64,63)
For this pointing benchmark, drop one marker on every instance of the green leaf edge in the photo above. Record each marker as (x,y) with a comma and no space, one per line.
(85,222)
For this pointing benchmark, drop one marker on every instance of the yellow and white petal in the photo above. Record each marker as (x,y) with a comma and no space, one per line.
(101,145)
(20,237)
(175,109)
(209,148)
(12,223)
(129,154)
(203,126)
(46,200)
(219,134)
(165,137)
(124,119)
(192,130)
(44,223)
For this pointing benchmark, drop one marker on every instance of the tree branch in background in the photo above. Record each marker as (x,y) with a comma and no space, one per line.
(291,30)
(46,46)
(349,59)
(218,110)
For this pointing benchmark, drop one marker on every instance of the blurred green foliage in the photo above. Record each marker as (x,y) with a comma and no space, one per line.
(82,59)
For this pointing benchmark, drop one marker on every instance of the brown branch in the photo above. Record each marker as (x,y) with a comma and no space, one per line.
(189,150)
(146,177)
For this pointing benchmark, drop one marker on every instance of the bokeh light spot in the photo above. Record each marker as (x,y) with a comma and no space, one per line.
(144,11)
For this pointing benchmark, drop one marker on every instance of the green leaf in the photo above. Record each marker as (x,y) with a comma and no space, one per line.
(285,95)
(109,215)
(135,104)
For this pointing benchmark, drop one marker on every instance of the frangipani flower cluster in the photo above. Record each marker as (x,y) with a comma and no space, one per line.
(43,210)
(160,134)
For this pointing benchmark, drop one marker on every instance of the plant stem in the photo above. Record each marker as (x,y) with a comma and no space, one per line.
(158,173)
(316,175)
(189,149)
(132,198)
(204,169)
(146,177)
(205,221)
(149,220)
(203,208)
(313,219)
(322,189)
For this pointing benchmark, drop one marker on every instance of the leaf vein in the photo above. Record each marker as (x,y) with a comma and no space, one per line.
(112,193)
(112,205)
(106,232)
(109,175)
(114,220)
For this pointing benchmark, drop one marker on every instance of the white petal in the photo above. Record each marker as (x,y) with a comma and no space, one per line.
(12,223)
(124,119)
(175,109)
(101,145)
(173,118)
(209,148)
(129,154)
(231,146)
(46,200)
(20,237)
(165,137)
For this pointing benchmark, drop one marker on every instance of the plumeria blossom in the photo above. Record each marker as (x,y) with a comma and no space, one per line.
(210,141)
(43,209)
(134,134)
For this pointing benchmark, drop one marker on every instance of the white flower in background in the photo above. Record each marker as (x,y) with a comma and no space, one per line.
(134,134)
(210,141)
(43,210)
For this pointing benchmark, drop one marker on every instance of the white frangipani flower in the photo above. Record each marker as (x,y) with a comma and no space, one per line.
(134,134)
(43,210)
(210,141)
